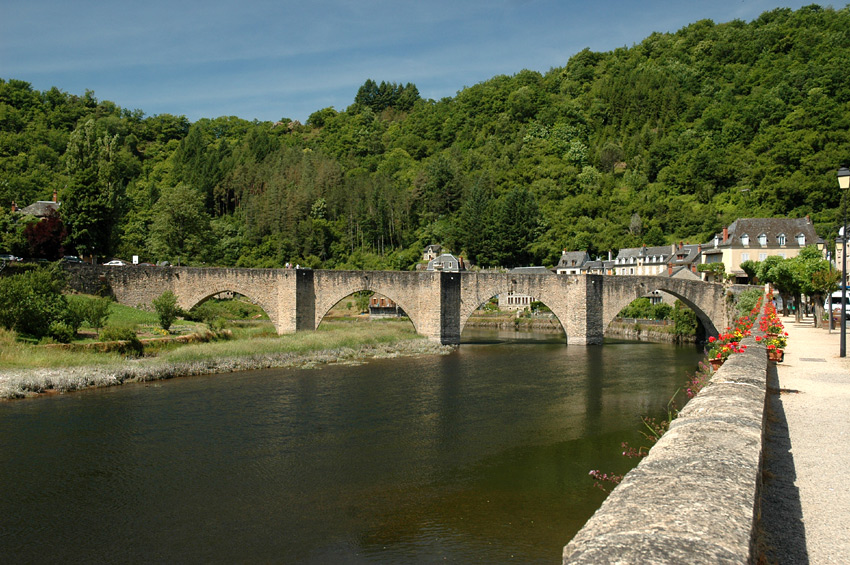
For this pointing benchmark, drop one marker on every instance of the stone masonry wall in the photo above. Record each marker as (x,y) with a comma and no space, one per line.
(695,498)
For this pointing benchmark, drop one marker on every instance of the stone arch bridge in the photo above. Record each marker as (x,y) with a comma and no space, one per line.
(437,303)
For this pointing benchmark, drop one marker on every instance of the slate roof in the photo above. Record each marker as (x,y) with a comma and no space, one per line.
(627,253)
(685,255)
(41,209)
(573,259)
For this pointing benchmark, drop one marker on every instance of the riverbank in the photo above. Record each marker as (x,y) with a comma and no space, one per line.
(647,332)
(342,343)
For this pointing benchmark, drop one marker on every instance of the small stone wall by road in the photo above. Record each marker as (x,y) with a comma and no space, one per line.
(695,498)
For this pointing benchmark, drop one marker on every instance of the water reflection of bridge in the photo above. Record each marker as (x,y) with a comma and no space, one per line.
(437,303)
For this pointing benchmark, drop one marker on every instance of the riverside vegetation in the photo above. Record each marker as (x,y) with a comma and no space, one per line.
(218,336)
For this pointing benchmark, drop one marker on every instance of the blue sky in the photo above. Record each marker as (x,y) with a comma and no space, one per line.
(265,59)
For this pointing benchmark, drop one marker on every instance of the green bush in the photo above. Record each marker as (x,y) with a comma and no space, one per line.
(123,333)
(76,314)
(91,310)
(97,312)
(166,309)
(684,320)
(640,308)
(661,311)
(31,301)
(62,332)
(747,300)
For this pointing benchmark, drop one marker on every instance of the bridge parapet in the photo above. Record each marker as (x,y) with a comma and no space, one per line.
(696,497)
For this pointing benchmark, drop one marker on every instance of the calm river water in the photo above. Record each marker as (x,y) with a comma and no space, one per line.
(481,456)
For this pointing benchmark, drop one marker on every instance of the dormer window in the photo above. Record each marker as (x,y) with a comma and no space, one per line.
(801,239)
(762,239)
(745,239)
(780,239)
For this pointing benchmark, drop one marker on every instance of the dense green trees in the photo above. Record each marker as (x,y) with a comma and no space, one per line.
(665,141)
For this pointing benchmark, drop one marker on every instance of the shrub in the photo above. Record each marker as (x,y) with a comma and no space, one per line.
(662,311)
(93,311)
(62,332)
(166,309)
(97,312)
(31,301)
(123,333)
(748,299)
(684,320)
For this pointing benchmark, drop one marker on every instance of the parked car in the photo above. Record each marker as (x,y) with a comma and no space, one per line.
(116,263)
(9,257)
(71,259)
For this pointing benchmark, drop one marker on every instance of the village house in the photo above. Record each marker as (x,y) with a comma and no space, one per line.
(446,262)
(41,209)
(572,262)
(432,252)
(383,307)
(642,260)
(756,239)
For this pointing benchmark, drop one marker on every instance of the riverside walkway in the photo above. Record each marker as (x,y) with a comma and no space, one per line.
(806,500)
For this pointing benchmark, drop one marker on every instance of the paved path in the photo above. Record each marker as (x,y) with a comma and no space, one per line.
(806,502)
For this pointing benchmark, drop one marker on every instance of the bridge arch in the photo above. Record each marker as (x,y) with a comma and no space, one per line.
(189,300)
(552,290)
(344,286)
(468,309)
(699,296)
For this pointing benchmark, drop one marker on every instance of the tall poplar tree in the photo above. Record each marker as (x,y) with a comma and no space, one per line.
(94,186)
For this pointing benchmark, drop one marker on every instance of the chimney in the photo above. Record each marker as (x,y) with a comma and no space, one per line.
(669,269)
(699,248)
(725,234)
(54,195)
(609,254)
(693,267)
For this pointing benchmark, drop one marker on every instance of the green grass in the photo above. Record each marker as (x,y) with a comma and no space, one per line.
(19,355)
(121,315)
(253,341)
(330,335)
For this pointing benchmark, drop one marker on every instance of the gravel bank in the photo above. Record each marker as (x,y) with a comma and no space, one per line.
(20,384)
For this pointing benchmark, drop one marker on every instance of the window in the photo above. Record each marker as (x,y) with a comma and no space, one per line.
(762,256)
(801,239)
(745,239)
(762,239)
(745,257)
(780,239)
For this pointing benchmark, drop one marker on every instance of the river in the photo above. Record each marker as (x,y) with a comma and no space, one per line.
(480,456)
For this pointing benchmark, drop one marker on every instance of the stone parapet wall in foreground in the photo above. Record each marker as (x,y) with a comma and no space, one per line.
(695,498)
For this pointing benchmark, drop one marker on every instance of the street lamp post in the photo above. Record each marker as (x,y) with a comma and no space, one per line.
(844,184)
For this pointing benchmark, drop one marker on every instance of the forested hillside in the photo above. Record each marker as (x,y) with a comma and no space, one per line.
(667,140)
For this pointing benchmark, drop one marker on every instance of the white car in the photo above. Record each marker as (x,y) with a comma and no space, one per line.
(116,263)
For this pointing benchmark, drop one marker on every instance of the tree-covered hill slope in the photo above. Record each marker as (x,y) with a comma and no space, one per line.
(664,141)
